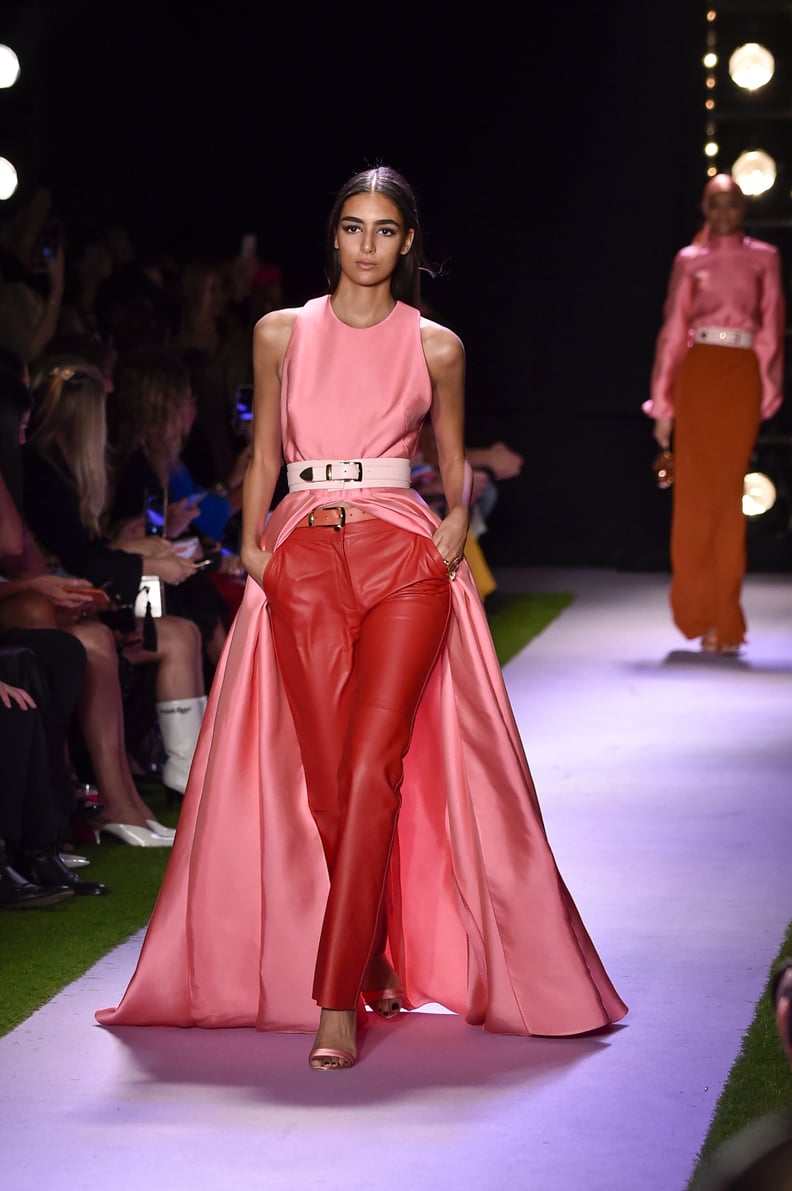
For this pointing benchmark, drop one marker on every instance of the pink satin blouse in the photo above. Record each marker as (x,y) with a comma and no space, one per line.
(731,281)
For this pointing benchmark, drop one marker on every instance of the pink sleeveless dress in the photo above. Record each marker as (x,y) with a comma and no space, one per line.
(482,922)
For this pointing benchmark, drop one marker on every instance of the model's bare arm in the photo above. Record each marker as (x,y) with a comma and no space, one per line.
(270,340)
(445,358)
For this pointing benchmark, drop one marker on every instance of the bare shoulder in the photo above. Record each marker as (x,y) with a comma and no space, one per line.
(274,328)
(442,347)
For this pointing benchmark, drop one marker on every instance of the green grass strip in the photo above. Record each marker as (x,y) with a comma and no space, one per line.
(759,1082)
(515,619)
(43,950)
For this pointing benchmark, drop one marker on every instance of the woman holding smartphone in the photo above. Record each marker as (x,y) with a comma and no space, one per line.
(360,750)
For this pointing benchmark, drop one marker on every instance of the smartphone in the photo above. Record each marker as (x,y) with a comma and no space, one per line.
(95,594)
(155,511)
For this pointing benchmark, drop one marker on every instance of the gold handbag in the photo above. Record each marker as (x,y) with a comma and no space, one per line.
(663,468)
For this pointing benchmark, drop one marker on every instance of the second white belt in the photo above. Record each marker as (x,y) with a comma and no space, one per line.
(723,336)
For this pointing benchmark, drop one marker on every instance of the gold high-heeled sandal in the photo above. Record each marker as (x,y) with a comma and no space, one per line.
(385,1002)
(345,1059)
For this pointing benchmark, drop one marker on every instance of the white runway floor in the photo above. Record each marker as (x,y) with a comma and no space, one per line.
(665,780)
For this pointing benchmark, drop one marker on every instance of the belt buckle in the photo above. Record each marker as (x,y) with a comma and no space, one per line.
(340,509)
(347,463)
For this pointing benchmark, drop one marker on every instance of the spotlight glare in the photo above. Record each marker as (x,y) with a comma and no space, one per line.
(754,172)
(9,66)
(8,179)
(759,494)
(751,66)
(711,149)
(710,60)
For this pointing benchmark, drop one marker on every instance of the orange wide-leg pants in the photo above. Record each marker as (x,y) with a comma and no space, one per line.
(359,616)
(717,401)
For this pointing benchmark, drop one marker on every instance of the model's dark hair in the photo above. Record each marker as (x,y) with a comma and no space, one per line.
(406,279)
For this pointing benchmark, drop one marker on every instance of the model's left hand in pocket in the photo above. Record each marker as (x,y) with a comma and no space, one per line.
(255,563)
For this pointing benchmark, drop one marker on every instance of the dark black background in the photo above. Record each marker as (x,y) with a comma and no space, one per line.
(557,157)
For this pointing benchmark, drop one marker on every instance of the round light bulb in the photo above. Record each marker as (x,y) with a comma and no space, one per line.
(754,172)
(751,66)
(759,494)
(8,179)
(9,66)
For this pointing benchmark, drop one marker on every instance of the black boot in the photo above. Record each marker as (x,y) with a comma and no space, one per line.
(47,868)
(18,894)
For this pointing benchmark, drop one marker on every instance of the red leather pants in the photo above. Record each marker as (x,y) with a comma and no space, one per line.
(358,617)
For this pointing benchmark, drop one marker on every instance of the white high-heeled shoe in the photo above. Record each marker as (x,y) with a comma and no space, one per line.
(160,829)
(138,837)
(72,860)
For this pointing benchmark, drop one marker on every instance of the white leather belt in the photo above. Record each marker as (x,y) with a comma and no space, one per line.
(723,336)
(348,473)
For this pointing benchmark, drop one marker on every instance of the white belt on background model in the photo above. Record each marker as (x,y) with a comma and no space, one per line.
(723,336)
(348,473)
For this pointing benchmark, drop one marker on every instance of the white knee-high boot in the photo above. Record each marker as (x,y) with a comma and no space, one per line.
(179,724)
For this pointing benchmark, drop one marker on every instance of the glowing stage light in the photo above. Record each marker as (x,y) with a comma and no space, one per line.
(759,494)
(711,149)
(754,172)
(8,179)
(9,66)
(751,66)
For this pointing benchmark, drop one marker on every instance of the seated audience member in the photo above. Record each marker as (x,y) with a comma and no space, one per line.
(213,340)
(22,743)
(40,674)
(65,497)
(36,798)
(153,411)
(31,277)
(32,599)
(80,348)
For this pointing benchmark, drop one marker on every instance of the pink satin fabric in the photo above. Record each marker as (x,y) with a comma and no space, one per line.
(730,281)
(481,920)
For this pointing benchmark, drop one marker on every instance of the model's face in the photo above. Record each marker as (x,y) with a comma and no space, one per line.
(370,238)
(724,211)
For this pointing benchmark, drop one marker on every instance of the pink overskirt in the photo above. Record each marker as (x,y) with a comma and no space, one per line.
(482,922)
